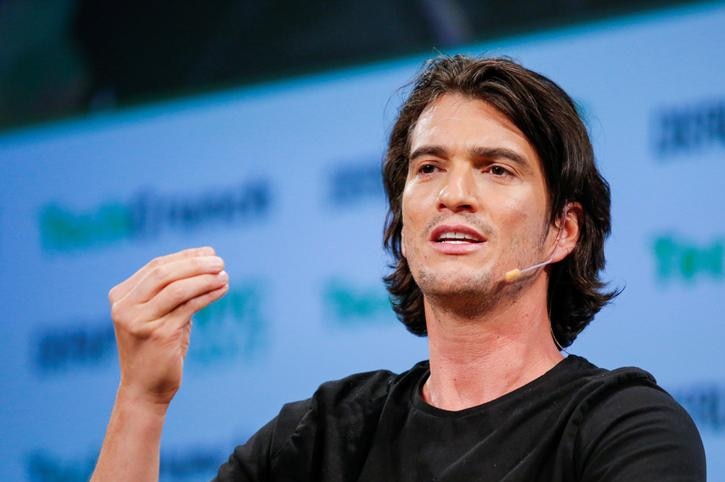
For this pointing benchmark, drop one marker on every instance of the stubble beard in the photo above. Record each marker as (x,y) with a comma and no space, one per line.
(467,296)
(472,294)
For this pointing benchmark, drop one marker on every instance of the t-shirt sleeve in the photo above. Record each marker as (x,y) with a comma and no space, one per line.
(253,460)
(640,433)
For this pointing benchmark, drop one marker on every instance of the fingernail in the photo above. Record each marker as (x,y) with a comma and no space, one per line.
(223,275)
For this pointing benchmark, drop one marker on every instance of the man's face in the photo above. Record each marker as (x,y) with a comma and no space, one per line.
(475,200)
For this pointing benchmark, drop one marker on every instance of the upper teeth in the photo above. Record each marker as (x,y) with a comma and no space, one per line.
(456,236)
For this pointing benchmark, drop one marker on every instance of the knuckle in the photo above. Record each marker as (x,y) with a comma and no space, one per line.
(197,303)
(204,251)
(160,273)
(193,307)
(176,293)
(122,316)
(138,330)
(196,264)
(117,313)
(207,298)
(155,262)
(156,335)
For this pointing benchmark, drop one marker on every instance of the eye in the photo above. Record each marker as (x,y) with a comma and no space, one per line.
(427,168)
(499,171)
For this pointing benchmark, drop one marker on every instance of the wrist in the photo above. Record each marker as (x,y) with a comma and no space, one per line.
(138,403)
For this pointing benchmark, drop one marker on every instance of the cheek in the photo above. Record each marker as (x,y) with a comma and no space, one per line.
(410,233)
(409,220)
(519,219)
(514,208)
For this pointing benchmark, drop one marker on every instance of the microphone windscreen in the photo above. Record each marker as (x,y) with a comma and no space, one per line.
(512,275)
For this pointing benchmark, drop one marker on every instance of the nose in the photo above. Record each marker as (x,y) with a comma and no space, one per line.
(458,192)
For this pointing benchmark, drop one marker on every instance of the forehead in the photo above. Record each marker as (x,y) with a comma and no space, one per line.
(457,122)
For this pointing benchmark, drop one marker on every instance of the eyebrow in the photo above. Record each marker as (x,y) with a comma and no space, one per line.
(478,151)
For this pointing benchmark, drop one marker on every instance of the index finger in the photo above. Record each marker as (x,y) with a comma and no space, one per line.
(123,288)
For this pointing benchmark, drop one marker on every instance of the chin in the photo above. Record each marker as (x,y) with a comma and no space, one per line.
(455,283)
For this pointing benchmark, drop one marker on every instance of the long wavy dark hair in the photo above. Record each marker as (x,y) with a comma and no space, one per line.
(548,118)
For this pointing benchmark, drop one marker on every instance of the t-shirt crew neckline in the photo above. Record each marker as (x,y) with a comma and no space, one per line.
(418,403)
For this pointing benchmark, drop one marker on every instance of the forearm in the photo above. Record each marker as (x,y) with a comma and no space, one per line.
(131,447)
(151,314)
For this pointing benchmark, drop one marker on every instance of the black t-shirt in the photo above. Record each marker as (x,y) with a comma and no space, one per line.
(577,422)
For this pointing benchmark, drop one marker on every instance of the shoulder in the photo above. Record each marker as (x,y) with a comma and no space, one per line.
(637,400)
(353,388)
(632,429)
(342,416)
(627,393)
(347,399)
(339,414)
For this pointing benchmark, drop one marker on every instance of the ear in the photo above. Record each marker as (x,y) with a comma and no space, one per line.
(566,231)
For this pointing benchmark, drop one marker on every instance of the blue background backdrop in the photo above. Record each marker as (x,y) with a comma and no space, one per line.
(283,180)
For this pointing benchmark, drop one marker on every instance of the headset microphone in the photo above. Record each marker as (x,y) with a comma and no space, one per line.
(517,273)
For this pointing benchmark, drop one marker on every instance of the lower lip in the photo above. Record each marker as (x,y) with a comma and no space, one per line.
(456,248)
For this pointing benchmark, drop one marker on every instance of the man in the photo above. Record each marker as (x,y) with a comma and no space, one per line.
(497,222)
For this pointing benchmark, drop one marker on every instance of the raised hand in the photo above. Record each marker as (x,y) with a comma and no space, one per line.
(152,313)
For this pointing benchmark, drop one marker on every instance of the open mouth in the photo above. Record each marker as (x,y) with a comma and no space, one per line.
(456,235)
(457,238)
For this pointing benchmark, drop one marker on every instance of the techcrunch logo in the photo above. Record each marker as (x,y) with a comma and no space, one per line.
(705,403)
(350,184)
(351,305)
(147,214)
(677,258)
(232,327)
(688,128)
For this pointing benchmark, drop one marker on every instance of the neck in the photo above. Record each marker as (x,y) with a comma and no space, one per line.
(474,360)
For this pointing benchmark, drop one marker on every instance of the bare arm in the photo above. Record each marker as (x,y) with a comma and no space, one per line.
(151,313)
